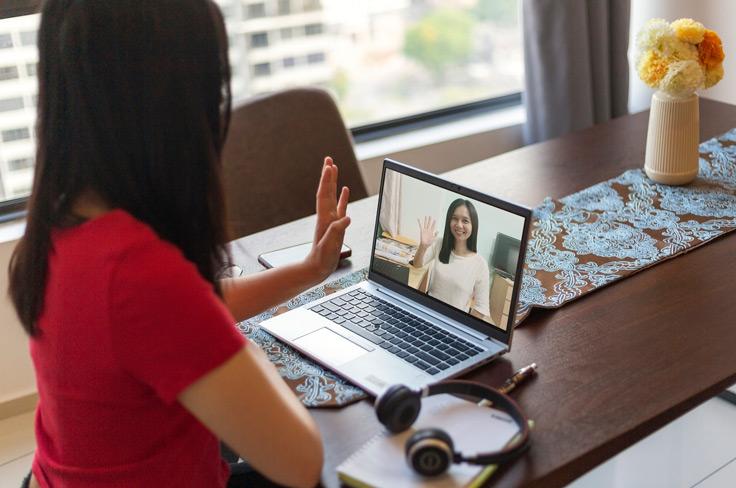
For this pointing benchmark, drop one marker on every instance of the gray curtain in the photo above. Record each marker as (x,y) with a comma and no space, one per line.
(577,72)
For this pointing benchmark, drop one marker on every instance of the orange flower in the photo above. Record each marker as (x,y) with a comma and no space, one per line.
(710,50)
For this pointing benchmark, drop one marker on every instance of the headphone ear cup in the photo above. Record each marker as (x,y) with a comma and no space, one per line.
(429,452)
(398,408)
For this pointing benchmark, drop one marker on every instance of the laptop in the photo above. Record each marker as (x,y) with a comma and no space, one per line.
(417,321)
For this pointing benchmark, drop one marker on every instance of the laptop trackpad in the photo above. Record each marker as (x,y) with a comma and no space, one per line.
(330,346)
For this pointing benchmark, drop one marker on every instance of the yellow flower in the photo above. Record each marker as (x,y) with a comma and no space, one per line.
(713,75)
(652,68)
(689,30)
(710,50)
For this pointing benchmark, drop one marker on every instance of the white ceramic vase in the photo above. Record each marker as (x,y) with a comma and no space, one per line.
(672,139)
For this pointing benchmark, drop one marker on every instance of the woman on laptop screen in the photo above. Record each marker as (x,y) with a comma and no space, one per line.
(459,276)
(139,366)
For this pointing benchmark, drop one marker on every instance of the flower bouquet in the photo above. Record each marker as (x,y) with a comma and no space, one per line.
(676,59)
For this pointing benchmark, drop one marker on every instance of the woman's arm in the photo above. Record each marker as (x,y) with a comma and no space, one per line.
(482,291)
(250,295)
(427,234)
(245,403)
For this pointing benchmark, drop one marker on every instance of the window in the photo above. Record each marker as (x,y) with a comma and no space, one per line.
(6,41)
(255,10)
(20,164)
(259,40)
(262,69)
(312,5)
(382,60)
(315,58)
(28,38)
(313,29)
(11,104)
(15,134)
(284,7)
(440,54)
(8,73)
(286,33)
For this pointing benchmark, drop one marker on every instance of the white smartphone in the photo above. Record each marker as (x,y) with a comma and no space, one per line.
(294,254)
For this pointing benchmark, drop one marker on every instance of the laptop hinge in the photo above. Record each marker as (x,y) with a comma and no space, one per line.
(443,318)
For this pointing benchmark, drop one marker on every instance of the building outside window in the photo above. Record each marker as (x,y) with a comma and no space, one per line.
(11,104)
(286,33)
(255,10)
(380,59)
(6,41)
(28,38)
(284,7)
(259,39)
(313,29)
(262,69)
(315,58)
(8,73)
(11,135)
(20,164)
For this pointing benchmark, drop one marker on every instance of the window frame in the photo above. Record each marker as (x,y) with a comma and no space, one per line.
(16,208)
(16,8)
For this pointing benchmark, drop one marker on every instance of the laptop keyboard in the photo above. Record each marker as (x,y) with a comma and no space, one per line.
(405,335)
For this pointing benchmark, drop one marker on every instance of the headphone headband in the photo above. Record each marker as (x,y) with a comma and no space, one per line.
(499,400)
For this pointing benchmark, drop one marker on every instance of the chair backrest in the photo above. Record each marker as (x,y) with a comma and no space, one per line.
(273,158)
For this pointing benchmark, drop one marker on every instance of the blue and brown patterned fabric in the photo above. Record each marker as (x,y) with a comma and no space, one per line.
(577,244)
(624,225)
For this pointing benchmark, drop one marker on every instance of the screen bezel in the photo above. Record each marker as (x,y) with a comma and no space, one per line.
(424,299)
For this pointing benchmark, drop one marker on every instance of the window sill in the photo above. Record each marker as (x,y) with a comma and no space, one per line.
(456,129)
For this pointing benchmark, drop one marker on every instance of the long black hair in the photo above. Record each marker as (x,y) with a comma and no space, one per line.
(133,105)
(448,240)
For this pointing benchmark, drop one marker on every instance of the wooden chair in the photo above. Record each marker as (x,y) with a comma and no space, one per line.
(273,157)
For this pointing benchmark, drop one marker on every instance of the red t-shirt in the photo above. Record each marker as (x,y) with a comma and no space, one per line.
(127,324)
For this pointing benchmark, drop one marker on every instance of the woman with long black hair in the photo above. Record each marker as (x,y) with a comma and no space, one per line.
(139,367)
(459,276)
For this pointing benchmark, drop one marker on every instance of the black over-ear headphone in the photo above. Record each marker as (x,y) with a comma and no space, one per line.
(430,452)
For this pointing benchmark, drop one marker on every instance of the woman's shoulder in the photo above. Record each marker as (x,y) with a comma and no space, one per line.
(148,252)
(480,260)
(120,237)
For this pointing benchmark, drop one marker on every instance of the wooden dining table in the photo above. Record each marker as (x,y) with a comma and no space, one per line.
(614,365)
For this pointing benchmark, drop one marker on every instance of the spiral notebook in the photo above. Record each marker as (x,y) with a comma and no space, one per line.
(473,428)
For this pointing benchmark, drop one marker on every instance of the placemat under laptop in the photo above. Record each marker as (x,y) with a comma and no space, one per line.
(577,244)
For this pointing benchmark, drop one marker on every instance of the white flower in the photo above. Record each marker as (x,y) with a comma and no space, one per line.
(682,79)
(652,35)
(676,49)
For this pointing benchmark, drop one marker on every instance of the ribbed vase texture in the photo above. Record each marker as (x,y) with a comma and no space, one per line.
(672,139)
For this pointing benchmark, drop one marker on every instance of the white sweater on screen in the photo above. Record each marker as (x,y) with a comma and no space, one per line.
(462,280)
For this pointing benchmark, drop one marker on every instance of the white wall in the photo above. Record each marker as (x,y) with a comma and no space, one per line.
(718,15)
(16,371)
(419,199)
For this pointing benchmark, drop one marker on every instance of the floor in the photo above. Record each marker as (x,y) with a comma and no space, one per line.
(696,450)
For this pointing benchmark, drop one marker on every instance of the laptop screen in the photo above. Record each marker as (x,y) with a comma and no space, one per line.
(452,245)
